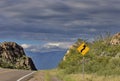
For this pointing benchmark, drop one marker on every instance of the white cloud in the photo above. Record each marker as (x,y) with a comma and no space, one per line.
(49,46)
(79,4)
(94,22)
(25,46)
(34,50)
(62,45)
(92,30)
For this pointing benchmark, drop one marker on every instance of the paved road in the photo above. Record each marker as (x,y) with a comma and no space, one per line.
(12,75)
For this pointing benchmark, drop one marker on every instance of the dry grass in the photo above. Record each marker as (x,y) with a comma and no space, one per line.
(87,77)
(92,77)
(52,75)
(47,75)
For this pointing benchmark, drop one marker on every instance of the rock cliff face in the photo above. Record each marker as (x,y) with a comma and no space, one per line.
(12,55)
(115,39)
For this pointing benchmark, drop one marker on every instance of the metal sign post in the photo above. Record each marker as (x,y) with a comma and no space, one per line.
(83,49)
(83,70)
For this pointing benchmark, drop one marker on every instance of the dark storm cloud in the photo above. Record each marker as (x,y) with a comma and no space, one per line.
(58,20)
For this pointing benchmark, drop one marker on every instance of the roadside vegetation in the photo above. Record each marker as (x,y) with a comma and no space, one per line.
(102,62)
(60,75)
(102,59)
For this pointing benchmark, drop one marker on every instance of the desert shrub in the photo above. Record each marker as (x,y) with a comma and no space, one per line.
(101,59)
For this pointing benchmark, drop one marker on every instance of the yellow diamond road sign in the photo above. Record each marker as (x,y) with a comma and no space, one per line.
(83,48)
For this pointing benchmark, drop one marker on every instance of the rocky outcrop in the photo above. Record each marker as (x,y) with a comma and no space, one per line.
(12,55)
(72,47)
(115,39)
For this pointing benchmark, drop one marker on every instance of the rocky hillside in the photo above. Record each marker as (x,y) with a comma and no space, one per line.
(115,39)
(103,57)
(13,56)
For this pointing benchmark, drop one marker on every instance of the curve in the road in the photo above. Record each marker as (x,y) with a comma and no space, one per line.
(14,75)
(25,76)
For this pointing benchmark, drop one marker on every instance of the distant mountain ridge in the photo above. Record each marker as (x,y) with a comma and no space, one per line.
(13,56)
(46,60)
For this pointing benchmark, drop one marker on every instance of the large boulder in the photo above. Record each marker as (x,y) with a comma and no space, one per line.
(12,55)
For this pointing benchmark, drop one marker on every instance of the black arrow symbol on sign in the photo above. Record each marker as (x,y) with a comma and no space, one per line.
(83,48)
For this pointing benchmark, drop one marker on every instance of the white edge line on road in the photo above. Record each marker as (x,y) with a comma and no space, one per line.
(25,76)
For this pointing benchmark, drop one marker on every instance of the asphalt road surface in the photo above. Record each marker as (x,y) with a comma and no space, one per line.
(14,75)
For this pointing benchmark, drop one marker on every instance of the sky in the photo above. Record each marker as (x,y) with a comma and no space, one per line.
(54,25)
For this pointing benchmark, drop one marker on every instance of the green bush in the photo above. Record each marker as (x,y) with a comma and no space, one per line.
(101,59)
